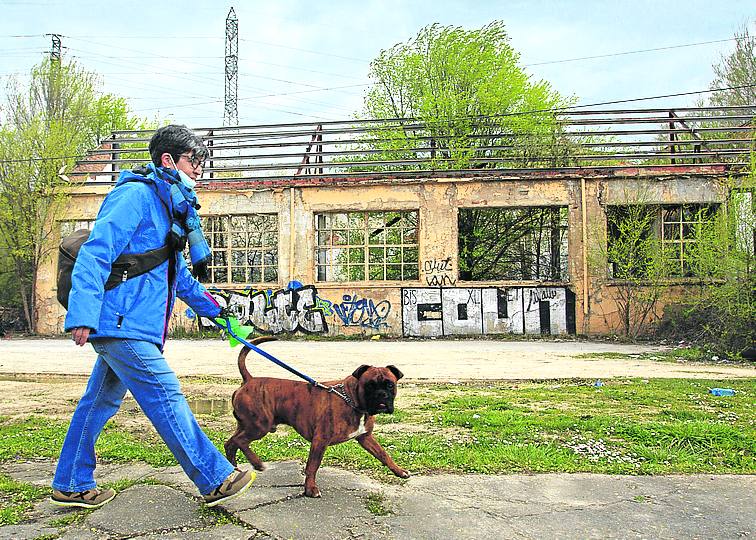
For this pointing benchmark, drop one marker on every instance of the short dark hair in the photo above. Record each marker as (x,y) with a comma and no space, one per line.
(176,139)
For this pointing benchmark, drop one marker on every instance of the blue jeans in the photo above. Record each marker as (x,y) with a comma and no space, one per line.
(137,366)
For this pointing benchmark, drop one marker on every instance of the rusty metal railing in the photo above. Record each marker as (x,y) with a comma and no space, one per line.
(569,140)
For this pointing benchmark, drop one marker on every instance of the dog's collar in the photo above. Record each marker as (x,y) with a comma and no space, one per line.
(337,389)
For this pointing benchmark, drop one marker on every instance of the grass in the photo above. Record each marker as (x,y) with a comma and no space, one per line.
(626,426)
(376,505)
(16,498)
(680,354)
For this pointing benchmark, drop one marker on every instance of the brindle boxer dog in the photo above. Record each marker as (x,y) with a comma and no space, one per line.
(321,417)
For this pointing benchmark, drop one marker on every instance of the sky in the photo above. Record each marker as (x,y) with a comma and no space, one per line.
(306,61)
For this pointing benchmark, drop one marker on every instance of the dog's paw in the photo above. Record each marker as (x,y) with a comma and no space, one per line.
(312,492)
(402,473)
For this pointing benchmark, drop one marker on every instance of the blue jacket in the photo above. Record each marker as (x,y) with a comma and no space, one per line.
(132,219)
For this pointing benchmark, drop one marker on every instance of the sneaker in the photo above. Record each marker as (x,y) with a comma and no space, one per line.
(237,483)
(91,498)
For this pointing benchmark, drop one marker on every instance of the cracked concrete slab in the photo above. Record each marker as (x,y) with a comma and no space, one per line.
(424,507)
(144,508)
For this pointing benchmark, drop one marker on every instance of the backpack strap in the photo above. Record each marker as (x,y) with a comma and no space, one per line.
(135,264)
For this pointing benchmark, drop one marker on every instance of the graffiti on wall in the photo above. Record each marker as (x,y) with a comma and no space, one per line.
(438,273)
(429,312)
(363,312)
(297,308)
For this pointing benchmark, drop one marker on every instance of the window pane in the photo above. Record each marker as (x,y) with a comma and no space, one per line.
(377,255)
(219,258)
(672,214)
(377,237)
(671,231)
(356,237)
(340,272)
(322,256)
(393,255)
(356,220)
(357,272)
(339,221)
(324,238)
(410,271)
(394,236)
(376,272)
(271,274)
(356,255)
(238,258)
(394,271)
(375,220)
(410,236)
(410,255)
(339,238)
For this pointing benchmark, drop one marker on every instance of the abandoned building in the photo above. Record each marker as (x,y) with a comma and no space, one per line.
(337,228)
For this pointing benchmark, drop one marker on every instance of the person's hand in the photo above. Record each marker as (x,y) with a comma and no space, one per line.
(80,335)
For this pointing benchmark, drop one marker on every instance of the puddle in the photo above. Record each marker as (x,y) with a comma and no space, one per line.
(198,406)
(210,406)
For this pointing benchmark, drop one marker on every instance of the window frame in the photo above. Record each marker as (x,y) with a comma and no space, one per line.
(222,238)
(365,237)
(563,229)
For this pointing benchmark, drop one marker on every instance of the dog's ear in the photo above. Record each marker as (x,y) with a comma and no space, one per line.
(360,370)
(395,370)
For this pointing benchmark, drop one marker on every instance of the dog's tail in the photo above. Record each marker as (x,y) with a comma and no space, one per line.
(245,351)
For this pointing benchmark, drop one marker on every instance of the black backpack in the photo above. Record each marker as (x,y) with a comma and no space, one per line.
(125,267)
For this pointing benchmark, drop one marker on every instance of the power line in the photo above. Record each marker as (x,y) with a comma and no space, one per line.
(633,52)
(535,111)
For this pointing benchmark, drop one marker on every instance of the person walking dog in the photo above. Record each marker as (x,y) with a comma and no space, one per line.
(150,207)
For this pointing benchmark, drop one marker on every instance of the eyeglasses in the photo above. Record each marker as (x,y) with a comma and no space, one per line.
(194,160)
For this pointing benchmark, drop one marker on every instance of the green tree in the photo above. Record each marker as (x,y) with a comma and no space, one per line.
(736,70)
(638,267)
(462,99)
(46,126)
(721,314)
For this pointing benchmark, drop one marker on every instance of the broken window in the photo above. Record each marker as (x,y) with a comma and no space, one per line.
(67,227)
(680,226)
(366,246)
(244,248)
(644,241)
(513,244)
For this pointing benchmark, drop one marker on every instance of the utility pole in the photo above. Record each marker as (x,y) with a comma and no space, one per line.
(231,111)
(55,48)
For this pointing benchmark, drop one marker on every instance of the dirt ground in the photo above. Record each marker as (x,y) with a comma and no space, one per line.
(47,376)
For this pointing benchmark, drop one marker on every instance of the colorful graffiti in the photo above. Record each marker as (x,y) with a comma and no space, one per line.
(354,311)
(432,312)
(297,308)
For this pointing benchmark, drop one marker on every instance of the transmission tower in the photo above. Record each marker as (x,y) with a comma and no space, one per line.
(55,48)
(231,112)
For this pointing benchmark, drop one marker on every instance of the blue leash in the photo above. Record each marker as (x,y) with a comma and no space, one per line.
(267,355)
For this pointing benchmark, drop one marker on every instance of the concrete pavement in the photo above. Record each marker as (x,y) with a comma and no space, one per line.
(424,507)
